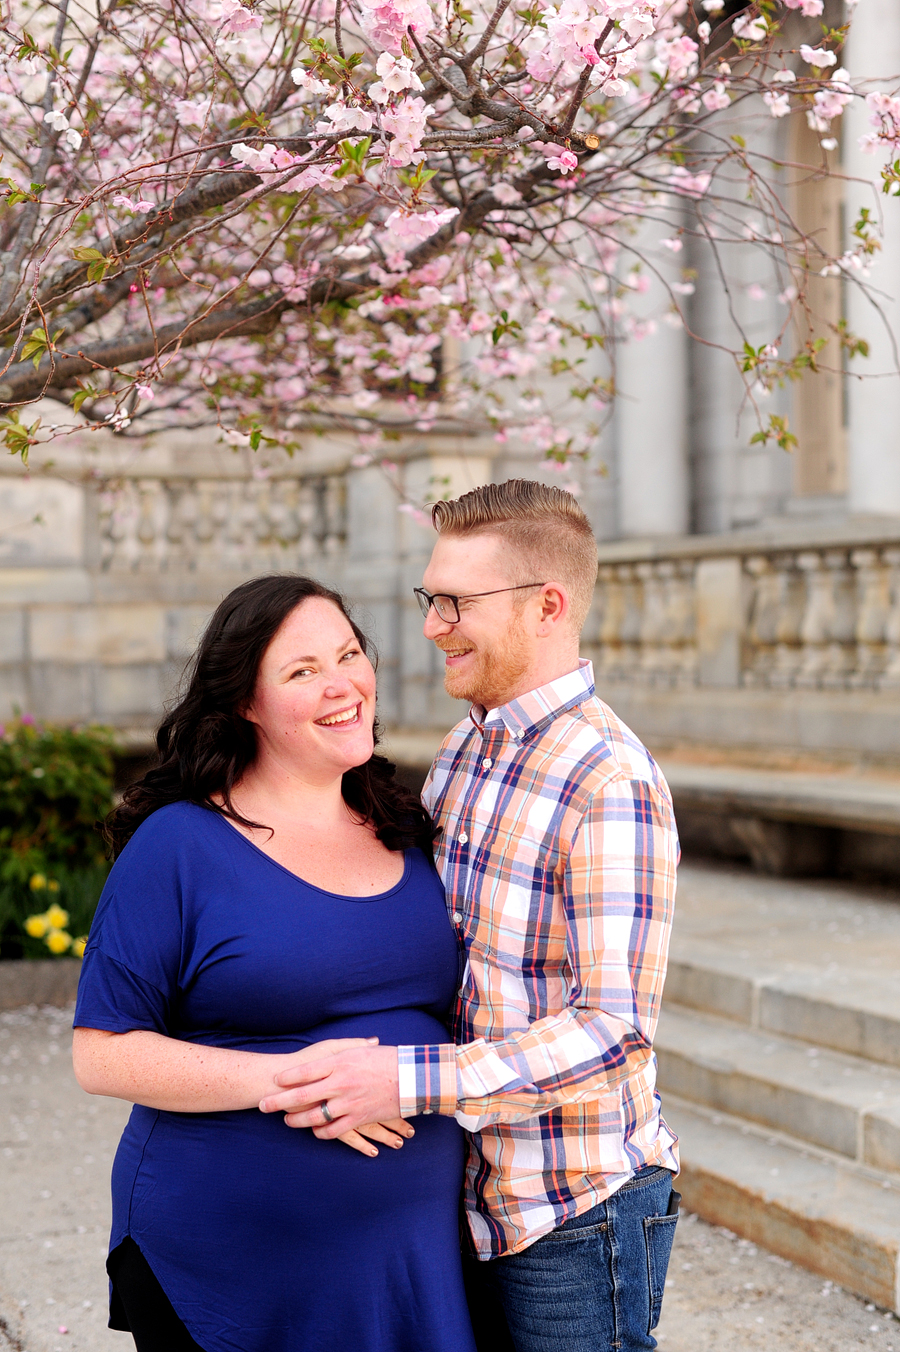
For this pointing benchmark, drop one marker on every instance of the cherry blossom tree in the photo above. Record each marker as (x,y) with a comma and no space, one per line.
(380,215)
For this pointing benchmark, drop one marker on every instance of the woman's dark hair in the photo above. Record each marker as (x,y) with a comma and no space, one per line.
(205,745)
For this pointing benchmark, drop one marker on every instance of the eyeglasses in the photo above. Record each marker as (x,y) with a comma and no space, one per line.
(448,606)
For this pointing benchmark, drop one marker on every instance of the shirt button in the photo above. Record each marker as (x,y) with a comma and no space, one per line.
(463,838)
(457,917)
(426,1112)
(461,992)
(487,762)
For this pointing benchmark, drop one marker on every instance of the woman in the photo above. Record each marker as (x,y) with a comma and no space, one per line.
(274,889)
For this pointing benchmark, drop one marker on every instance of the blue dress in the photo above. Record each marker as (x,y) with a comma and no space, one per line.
(264,1238)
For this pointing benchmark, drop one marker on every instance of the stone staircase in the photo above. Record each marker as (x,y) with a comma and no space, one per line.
(779,1062)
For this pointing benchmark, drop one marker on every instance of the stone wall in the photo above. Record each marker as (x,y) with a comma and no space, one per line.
(783,641)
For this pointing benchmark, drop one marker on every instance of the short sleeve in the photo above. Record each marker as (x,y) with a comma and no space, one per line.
(131,967)
(113,998)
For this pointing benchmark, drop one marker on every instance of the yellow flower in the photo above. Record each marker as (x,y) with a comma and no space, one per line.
(57,918)
(52,885)
(38,882)
(36,926)
(79,945)
(58,941)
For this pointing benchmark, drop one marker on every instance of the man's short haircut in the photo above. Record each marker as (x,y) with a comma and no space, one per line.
(548,534)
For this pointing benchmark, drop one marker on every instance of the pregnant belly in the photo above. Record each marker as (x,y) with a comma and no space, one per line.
(249,1173)
(268,1186)
(393,1027)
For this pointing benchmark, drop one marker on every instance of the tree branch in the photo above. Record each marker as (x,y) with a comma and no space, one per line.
(212,190)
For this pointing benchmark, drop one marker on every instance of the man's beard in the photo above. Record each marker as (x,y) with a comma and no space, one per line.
(497,671)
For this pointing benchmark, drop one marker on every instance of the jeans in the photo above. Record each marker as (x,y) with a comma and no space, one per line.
(592,1285)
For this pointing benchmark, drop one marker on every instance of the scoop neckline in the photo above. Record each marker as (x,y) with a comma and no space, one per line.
(338,896)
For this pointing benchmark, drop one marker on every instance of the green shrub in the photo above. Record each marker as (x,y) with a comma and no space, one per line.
(55,784)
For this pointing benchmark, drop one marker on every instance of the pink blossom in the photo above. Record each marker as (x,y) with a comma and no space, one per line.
(346,117)
(565,162)
(884,116)
(120,200)
(716,98)
(321,176)
(417,225)
(301,76)
(752,28)
(817,56)
(420,518)
(479,321)
(265,158)
(237,19)
(778,104)
(144,392)
(386,21)
(682,181)
(295,281)
(811,9)
(397,75)
(675,244)
(406,122)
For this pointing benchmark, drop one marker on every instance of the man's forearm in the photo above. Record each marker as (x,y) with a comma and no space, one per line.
(559,1060)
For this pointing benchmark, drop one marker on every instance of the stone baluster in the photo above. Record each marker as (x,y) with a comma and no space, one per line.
(767,585)
(841,654)
(611,598)
(119,515)
(818,618)
(683,615)
(873,607)
(334,500)
(288,524)
(306,517)
(792,594)
(652,657)
(890,678)
(632,619)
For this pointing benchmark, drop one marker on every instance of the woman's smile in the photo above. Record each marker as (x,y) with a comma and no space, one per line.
(347,718)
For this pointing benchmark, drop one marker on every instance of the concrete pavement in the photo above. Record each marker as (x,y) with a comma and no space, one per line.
(56,1147)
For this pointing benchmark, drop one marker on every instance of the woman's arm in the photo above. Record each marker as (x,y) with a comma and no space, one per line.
(180,1077)
(186,1077)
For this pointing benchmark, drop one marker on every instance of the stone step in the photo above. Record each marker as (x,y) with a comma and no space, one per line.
(818,961)
(849,1012)
(848,799)
(815,1209)
(840,1103)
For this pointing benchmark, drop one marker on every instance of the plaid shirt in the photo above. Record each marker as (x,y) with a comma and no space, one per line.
(558,852)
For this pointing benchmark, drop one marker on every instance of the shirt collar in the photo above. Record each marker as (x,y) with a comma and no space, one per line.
(534,711)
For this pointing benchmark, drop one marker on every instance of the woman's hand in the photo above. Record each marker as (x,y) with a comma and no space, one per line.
(391,1133)
(187,1077)
(388,1133)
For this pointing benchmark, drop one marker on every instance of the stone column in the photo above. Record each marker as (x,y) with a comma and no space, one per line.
(651,429)
(872,57)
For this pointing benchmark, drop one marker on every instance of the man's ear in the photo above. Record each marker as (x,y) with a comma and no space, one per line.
(554,608)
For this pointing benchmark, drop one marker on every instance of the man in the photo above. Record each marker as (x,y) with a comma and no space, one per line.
(558,852)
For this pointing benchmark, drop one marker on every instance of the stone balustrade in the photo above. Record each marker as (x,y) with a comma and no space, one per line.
(771,613)
(785,640)
(232,525)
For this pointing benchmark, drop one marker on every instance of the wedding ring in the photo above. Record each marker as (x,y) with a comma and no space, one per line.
(326,1113)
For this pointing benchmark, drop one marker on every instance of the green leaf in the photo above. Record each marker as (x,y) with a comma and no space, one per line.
(17,438)
(84,254)
(34,347)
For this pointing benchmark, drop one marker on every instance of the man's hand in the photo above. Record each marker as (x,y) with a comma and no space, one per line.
(358,1086)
